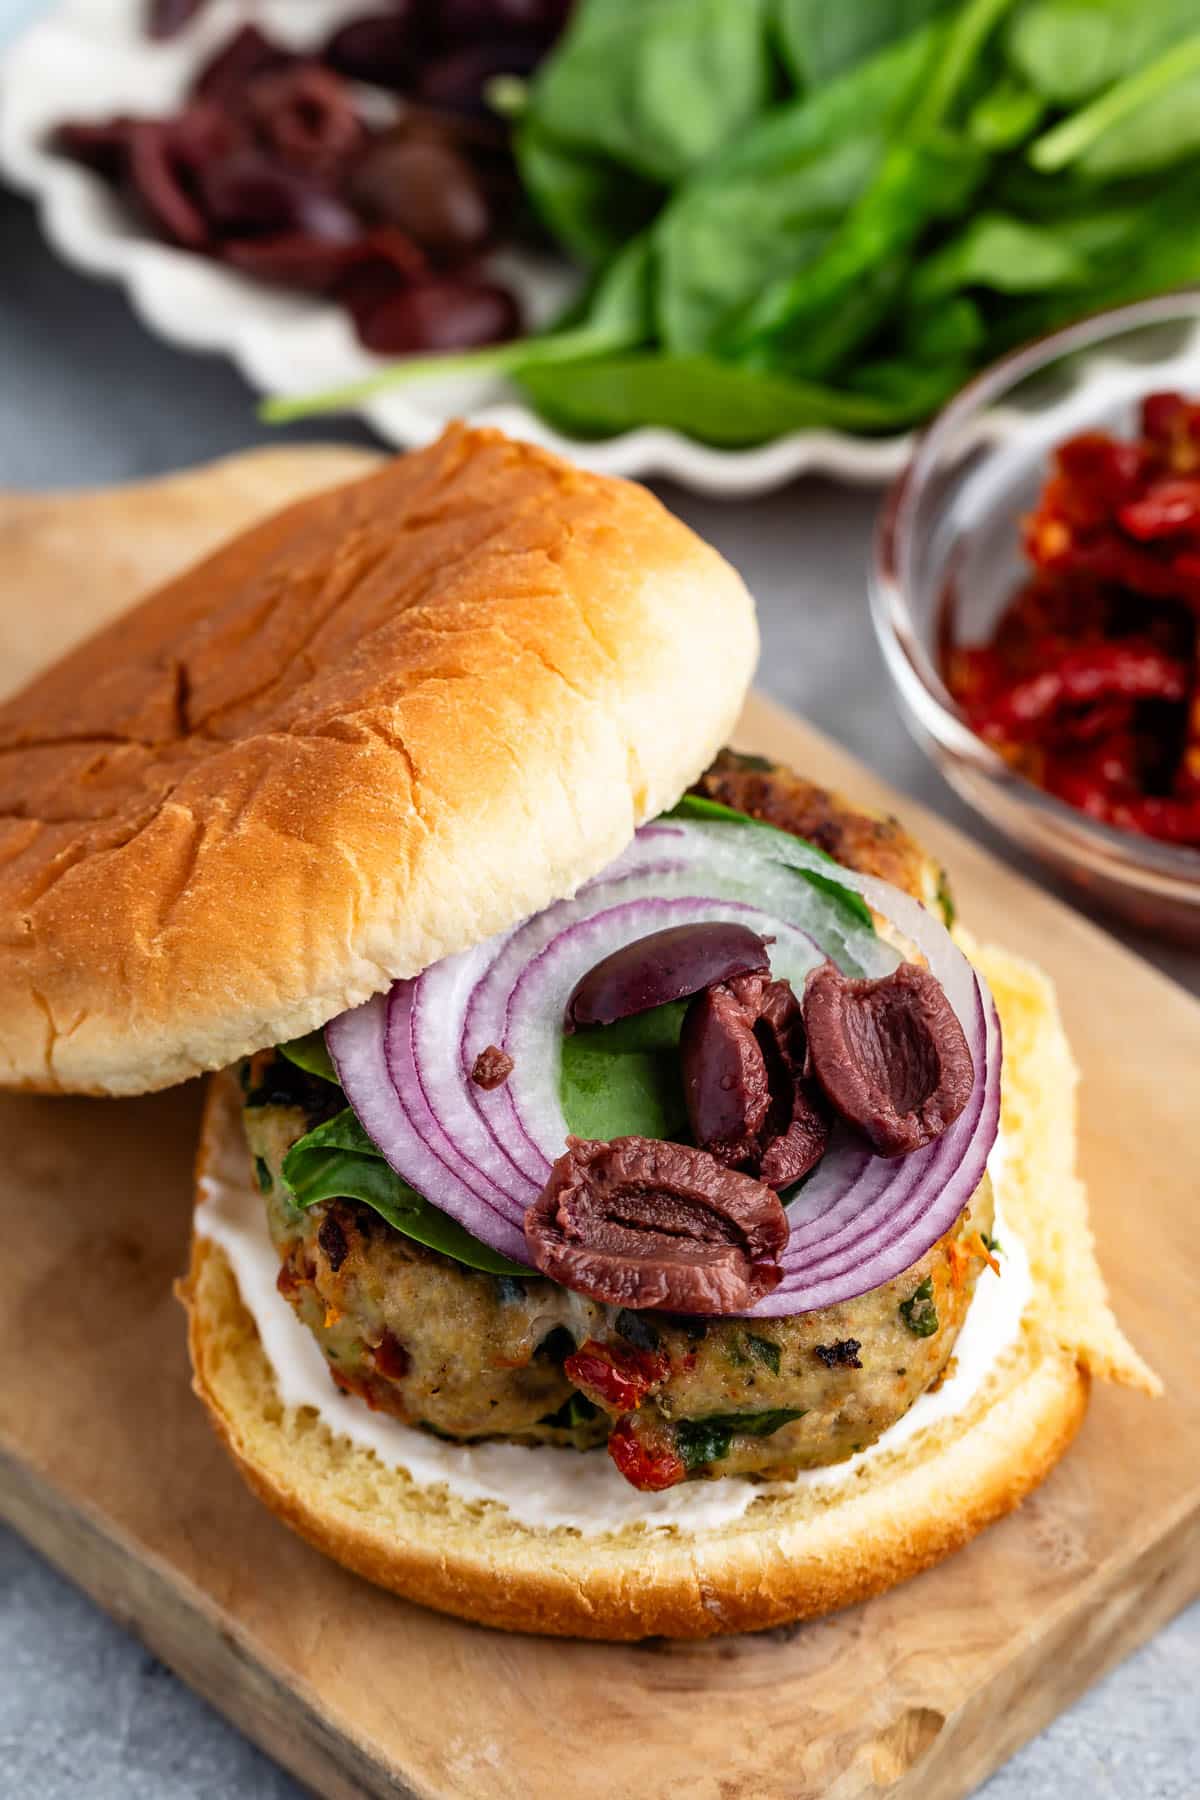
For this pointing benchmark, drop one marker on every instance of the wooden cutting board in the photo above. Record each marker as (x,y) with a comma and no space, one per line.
(107,1464)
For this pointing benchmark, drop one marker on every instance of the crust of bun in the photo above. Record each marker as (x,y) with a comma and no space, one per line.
(380,726)
(792,1555)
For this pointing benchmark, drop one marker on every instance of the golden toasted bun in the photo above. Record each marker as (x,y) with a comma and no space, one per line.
(790,1556)
(377,728)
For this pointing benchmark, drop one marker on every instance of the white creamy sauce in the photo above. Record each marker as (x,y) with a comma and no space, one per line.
(544,1486)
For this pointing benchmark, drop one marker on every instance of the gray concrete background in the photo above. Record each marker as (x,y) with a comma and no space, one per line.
(87,397)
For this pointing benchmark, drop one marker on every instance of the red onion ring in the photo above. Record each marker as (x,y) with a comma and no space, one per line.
(483,1156)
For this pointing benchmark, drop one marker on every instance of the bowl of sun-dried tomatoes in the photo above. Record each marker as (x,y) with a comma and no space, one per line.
(1036,591)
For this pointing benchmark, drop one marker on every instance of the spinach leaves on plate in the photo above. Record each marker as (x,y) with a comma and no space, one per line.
(800,215)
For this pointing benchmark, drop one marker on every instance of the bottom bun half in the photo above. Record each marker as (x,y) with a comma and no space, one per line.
(792,1554)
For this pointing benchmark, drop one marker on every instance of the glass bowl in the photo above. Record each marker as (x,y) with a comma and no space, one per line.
(951,525)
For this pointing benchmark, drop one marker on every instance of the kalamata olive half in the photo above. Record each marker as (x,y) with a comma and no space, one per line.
(639,1223)
(240,60)
(377,47)
(666,965)
(437,316)
(460,79)
(890,1055)
(249,192)
(461,21)
(165,17)
(422,184)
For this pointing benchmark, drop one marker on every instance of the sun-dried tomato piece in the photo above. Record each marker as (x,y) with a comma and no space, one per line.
(647,1461)
(1165,509)
(1172,425)
(1090,684)
(1081,677)
(391,1359)
(642,1223)
(1172,821)
(614,1376)
(1099,474)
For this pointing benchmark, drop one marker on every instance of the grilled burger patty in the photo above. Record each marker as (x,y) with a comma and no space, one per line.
(471,1355)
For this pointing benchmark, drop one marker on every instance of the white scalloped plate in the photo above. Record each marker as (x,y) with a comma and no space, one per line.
(88,58)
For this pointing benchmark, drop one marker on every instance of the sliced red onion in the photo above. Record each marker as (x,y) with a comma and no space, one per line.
(405,1060)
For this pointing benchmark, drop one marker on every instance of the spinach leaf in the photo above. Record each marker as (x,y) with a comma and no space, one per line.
(1147,245)
(917,182)
(1003,253)
(820,41)
(1070,49)
(338,1161)
(765,1350)
(1148,121)
(655,85)
(590,205)
(608,1091)
(958,66)
(702,1441)
(1005,115)
(919,1311)
(578,1410)
(769,204)
(943,332)
(714,402)
(647,1032)
(311,1054)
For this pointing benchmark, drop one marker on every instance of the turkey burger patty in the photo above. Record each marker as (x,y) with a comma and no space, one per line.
(470,1355)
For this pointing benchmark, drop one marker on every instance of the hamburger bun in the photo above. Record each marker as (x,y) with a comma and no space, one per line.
(386,723)
(794,1553)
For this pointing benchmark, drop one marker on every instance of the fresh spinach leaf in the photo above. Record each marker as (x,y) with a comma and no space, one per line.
(917,182)
(312,1055)
(1069,50)
(702,1441)
(919,1311)
(656,85)
(699,1442)
(1148,121)
(1005,114)
(712,401)
(654,1030)
(1005,254)
(610,1093)
(592,206)
(765,1350)
(339,1161)
(578,1410)
(768,205)
(820,41)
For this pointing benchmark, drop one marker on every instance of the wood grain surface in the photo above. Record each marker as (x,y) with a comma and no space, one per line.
(107,1464)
